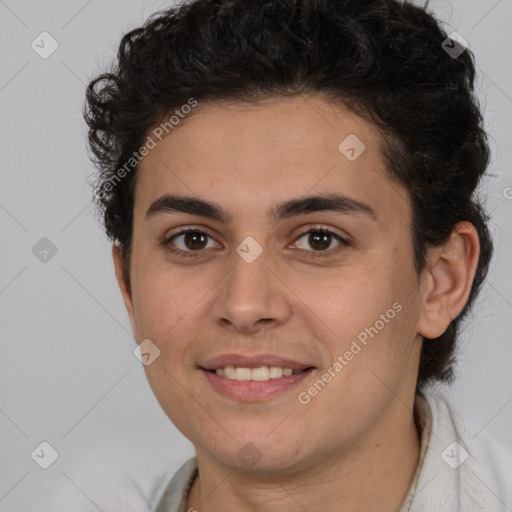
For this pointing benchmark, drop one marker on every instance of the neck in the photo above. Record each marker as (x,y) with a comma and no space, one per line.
(374,475)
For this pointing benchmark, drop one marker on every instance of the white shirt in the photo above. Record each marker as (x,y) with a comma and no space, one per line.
(455,473)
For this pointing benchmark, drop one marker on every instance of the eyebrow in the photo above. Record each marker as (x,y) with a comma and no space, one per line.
(284,210)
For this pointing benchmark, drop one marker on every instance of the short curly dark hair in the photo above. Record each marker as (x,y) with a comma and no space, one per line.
(383,59)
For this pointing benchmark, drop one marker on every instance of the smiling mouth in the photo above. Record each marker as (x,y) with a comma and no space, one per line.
(259,374)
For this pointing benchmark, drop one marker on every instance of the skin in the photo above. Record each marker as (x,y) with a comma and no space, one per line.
(354,446)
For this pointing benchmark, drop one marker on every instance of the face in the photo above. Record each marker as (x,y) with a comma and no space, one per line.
(267,276)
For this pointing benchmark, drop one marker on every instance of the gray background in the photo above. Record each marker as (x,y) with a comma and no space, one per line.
(68,374)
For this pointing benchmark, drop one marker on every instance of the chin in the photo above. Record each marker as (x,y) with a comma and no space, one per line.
(246,453)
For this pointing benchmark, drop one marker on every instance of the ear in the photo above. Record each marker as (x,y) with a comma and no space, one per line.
(448,279)
(117,255)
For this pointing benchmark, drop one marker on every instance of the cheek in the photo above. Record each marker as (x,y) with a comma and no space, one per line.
(171,304)
(365,316)
(154,303)
(343,302)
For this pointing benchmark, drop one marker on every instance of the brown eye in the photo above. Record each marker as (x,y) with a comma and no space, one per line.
(189,241)
(320,240)
(194,240)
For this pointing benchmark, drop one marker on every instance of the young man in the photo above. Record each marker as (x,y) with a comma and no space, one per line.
(290,188)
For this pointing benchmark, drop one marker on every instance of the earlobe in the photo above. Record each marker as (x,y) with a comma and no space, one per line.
(450,274)
(123,286)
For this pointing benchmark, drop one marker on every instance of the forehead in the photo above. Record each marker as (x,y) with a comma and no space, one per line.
(250,156)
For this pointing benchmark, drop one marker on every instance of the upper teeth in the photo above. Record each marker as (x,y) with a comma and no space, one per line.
(259,373)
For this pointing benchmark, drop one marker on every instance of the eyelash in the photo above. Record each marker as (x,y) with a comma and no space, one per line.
(200,253)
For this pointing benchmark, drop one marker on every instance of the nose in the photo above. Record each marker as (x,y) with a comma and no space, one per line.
(252,296)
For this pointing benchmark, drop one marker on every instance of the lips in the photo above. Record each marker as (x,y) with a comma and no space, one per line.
(253,361)
(254,390)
